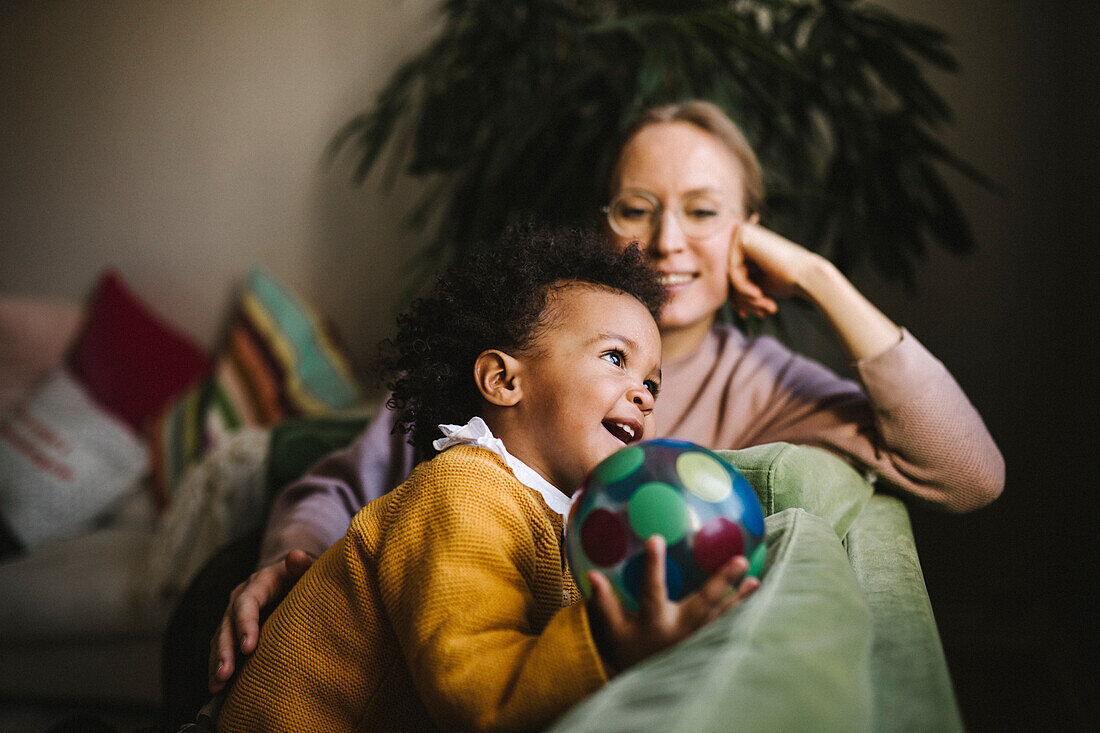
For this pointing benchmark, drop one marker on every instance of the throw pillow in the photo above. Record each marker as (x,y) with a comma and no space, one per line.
(63,459)
(132,362)
(35,333)
(279,359)
(298,444)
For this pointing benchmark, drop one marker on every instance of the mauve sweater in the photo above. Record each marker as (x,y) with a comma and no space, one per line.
(910,424)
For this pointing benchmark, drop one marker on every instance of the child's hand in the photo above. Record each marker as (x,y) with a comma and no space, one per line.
(625,638)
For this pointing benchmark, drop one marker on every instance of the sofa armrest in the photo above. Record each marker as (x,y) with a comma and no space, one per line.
(786,476)
(912,684)
(780,661)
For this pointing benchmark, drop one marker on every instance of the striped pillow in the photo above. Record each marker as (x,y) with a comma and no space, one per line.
(279,359)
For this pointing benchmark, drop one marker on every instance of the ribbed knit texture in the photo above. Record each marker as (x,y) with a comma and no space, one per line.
(448,604)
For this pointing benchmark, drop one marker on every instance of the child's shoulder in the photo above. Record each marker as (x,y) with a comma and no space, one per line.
(463,465)
(460,471)
(464,491)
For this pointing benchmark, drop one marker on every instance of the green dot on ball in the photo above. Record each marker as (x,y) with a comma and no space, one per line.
(756,562)
(619,465)
(657,508)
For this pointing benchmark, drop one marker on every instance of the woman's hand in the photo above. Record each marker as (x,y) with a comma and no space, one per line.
(625,638)
(764,266)
(241,622)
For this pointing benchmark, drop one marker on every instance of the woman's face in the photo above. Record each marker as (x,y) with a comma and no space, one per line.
(693,177)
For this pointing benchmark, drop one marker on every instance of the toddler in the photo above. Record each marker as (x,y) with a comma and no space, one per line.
(449,604)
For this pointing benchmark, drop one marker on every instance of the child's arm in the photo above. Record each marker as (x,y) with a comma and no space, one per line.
(624,638)
(473,590)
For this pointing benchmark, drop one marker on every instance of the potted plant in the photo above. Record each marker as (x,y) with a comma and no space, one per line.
(516,107)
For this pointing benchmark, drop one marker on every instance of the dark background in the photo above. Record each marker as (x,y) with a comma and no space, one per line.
(1013,585)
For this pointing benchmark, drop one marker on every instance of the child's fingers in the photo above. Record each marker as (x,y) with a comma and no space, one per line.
(717,588)
(718,585)
(712,597)
(654,594)
(747,588)
(609,607)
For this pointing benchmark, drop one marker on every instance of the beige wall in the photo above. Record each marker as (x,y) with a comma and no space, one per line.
(183,142)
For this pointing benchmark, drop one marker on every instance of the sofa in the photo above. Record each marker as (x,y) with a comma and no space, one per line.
(84,613)
(850,644)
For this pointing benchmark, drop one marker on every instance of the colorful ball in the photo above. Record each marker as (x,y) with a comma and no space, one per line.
(702,506)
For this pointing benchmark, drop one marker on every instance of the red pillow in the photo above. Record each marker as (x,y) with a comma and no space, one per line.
(131,361)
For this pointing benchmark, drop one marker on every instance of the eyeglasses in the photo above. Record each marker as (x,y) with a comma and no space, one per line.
(636,215)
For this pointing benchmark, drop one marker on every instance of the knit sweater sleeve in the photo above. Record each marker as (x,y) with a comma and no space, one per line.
(470,575)
(911,424)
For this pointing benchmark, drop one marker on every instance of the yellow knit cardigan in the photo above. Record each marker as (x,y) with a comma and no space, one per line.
(448,604)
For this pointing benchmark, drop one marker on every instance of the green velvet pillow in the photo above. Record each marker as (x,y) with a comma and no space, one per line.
(298,443)
(786,476)
(794,656)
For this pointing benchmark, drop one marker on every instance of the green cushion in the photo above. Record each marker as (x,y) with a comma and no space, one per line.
(794,656)
(298,443)
(786,476)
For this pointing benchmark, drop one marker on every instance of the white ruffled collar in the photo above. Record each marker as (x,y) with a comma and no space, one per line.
(477,433)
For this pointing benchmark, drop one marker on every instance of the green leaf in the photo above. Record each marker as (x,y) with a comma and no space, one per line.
(518,106)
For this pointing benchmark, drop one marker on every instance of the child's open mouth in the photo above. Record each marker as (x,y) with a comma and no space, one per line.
(627,432)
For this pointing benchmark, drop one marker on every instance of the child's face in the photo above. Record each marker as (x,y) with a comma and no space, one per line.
(588,384)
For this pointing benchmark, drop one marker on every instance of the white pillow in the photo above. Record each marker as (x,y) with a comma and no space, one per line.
(34,334)
(63,460)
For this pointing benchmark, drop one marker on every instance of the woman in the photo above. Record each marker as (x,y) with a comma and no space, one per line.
(687,186)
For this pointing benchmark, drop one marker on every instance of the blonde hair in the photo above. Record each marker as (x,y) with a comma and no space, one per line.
(709,118)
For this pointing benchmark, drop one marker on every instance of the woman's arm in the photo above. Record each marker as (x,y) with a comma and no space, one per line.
(312,513)
(783,269)
(926,438)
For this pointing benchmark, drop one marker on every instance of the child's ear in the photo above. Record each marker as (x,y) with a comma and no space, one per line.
(496,374)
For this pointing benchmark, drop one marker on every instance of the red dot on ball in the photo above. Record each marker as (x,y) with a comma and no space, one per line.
(603,538)
(716,542)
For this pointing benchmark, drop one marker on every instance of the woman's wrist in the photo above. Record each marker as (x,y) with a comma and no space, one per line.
(819,282)
(863,330)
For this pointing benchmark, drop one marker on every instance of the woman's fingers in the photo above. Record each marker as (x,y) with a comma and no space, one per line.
(297,563)
(747,295)
(223,647)
(738,269)
(240,626)
(259,591)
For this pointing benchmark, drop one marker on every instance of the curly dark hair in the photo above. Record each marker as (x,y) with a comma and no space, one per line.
(494,298)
